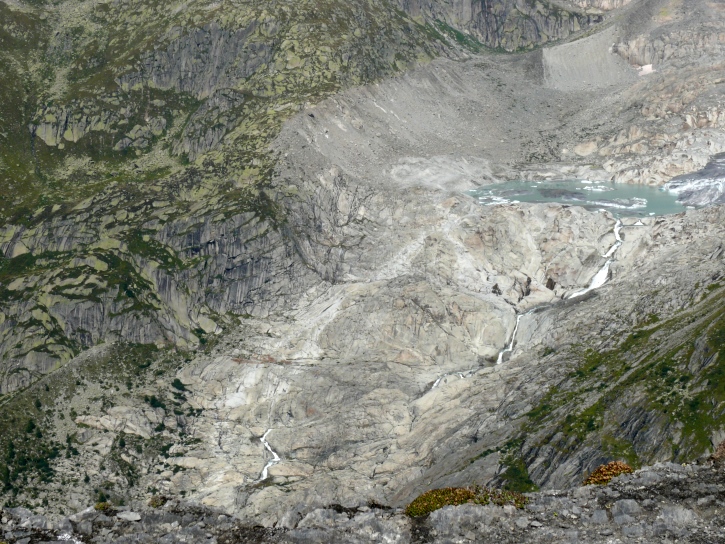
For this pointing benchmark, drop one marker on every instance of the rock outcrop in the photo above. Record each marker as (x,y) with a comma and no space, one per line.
(201,62)
(510,25)
(114,250)
(665,501)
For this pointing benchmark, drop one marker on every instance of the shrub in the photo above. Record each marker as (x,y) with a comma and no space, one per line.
(178,385)
(516,478)
(103,506)
(438,498)
(605,473)
(157,501)
(154,402)
(500,497)
(453,496)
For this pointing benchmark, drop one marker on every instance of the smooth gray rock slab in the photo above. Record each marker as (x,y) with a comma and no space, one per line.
(88,513)
(599,517)
(623,519)
(64,526)
(85,528)
(678,516)
(129,516)
(626,506)
(633,531)
(22,513)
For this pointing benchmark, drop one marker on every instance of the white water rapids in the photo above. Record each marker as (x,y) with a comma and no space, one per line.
(275,458)
(66,537)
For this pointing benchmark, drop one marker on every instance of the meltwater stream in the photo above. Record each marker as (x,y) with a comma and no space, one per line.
(461,375)
(599,279)
(632,200)
(510,347)
(275,458)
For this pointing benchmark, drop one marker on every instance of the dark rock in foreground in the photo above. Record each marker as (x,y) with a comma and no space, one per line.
(663,503)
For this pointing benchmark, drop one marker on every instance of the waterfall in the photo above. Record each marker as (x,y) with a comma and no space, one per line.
(459,374)
(275,458)
(510,347)
(601,277)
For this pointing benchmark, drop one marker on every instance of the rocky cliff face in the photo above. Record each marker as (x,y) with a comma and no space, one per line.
(240,265)
(510,25)
(110,236)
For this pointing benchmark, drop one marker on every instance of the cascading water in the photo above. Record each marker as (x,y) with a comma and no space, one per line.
(275,458)
(510,347)
(459,374)
(601,277)
(67,537)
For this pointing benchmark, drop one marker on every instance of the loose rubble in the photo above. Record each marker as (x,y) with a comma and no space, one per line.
(662,503)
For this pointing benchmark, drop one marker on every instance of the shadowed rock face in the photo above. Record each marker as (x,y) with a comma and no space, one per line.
(509,25)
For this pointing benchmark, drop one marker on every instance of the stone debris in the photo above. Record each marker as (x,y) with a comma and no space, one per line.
(662,503)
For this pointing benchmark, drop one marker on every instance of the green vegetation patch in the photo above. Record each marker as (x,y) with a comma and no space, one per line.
(454,496)
(464,40)
(142,244)
(516,477)
(38,428)
(668,374)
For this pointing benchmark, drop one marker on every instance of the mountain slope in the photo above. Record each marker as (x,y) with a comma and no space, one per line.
(136,127)
(243,269)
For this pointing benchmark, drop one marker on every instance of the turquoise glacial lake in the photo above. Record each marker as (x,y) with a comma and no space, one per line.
(622,199)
